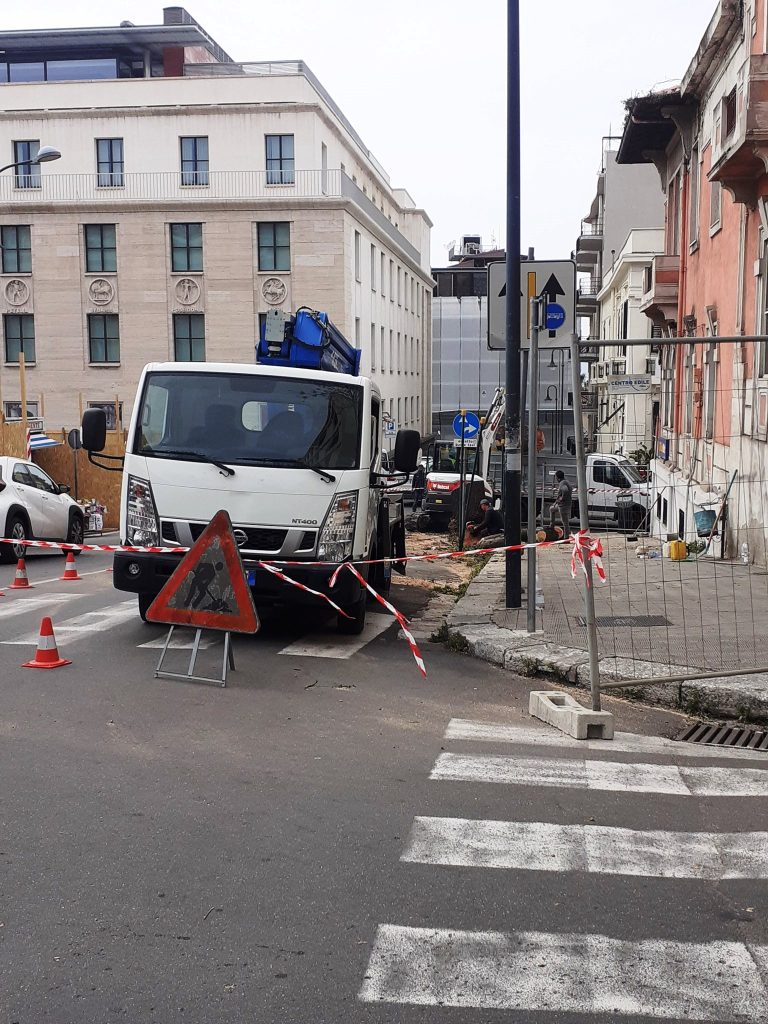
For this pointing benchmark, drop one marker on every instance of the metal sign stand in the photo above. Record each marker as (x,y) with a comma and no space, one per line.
(189,676)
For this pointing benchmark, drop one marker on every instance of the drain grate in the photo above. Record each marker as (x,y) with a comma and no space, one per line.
(746,737)
(626,620)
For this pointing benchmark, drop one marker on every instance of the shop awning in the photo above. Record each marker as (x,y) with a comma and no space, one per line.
(41,441)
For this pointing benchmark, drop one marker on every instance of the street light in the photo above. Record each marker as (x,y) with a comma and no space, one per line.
(44,155)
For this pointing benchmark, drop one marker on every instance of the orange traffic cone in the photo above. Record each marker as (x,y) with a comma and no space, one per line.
(70,569)
(47,653)
(21,582)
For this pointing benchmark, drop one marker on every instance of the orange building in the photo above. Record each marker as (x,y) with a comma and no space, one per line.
(708,138)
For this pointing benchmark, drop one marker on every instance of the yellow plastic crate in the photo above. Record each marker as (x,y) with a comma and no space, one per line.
(678,550)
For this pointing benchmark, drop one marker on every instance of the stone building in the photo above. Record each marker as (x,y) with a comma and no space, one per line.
(193,194)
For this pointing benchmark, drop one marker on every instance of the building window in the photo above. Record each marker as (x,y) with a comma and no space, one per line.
(399,287)
(12,410)
(693,212)
(19,329)
(373,347)
(383,276)
(399,354)
(194,159)
(103,338)
(391,351)
(189,337)
(373,268)
(382,353)
(399,412)
(110,411)
(274,245)
(357,332)
(715,202)
(109,163)
(280,163)
(186,248)
(391,281)
(357,256)
(729,114)
(100,248)
(16,243)
(418,414)
(27,172)
(324,168)
(405,286)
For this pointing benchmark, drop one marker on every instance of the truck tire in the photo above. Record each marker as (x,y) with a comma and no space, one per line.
(145,600)
(355,625)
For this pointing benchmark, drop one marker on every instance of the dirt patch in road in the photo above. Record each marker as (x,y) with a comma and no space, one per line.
(449,575)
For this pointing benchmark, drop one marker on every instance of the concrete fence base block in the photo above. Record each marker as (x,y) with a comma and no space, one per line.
(567,715)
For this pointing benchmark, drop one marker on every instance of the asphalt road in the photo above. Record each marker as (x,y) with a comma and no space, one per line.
(173,852)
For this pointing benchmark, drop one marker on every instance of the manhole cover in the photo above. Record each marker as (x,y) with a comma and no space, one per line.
(626,620)
(725,736)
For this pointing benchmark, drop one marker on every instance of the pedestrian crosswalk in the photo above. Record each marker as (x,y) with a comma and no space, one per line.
(720,977)
(120,610)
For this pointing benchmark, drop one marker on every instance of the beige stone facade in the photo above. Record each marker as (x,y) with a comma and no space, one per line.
(346,226)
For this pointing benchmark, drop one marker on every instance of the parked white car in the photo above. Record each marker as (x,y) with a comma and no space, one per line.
(32,506)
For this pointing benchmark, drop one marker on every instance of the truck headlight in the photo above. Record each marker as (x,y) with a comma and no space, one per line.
(338,533)
(141,525)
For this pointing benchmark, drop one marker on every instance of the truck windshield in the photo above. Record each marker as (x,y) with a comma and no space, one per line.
(446,456)
(632,471)
(250,420)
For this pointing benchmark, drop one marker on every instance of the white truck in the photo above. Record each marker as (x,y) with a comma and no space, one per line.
(290,447)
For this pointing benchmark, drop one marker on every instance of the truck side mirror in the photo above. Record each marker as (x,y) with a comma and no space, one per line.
(94,430)
(407,449)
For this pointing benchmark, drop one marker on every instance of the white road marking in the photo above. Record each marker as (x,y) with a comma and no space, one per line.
(536,846)
(323,645)
(568,973)
(57,579)
(30,603)
(626,742)
(86,624)
(183,640)
(602,775)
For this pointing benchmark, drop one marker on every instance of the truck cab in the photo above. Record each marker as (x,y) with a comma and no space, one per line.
(292,454)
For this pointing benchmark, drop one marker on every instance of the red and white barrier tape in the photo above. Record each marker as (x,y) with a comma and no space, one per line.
(390,608)
(586,547)
(300,586)
(132,549)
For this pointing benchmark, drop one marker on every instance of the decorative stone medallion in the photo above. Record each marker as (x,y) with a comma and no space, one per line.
(101,291)
(274,291)
(187,291)
(17,292)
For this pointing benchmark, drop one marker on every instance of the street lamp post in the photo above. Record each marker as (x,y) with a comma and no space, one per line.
(44,155)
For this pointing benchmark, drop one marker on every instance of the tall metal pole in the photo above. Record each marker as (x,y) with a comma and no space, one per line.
(513,453)
(533,423)
(462,475)
(581,487)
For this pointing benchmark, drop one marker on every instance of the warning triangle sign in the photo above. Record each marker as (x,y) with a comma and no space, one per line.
(208,589)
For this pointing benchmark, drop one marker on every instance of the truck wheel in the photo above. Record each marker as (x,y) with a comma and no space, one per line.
(355,625)
(145,600)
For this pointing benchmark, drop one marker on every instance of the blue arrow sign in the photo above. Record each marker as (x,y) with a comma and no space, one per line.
(554,316)
(471,425)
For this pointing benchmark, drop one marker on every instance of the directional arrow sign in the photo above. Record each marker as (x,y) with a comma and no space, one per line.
(554,281)
(469,422)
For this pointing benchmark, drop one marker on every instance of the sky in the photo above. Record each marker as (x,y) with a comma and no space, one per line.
(424,84)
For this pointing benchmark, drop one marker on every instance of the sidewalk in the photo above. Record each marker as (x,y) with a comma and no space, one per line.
(655,618)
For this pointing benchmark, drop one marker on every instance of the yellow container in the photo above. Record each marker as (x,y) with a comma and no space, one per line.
(678,550)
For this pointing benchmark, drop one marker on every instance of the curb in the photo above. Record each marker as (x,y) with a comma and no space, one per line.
(530,655)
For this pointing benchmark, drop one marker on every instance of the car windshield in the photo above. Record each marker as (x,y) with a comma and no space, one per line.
(446,457)
(250,420)
(632,471)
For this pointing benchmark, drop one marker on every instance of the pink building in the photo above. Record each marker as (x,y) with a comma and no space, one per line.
(709,141)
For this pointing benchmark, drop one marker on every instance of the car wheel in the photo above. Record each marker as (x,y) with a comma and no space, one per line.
(145,600)
(76,532)
(355,625)
(17,530)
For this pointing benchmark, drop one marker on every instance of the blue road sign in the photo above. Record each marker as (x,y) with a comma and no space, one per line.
(554,316)
(470,422)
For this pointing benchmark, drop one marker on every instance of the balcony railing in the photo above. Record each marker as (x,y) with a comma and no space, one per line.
(592,227)
(589,286)
(160,186)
